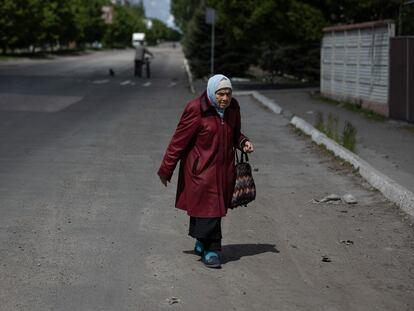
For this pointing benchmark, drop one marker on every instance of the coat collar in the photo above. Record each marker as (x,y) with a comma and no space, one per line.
(205,103)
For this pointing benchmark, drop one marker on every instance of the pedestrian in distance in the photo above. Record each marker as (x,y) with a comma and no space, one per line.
(204,142)
(142,59)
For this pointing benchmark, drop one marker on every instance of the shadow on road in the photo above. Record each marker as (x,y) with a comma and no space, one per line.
(234,252)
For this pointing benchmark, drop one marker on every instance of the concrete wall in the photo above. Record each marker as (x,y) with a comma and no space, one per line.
(355,64)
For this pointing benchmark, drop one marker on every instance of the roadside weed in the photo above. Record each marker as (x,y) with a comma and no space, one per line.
(357,108)
(332,127)
(319,124)
(348,136)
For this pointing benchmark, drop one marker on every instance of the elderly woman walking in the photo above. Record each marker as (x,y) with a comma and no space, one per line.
(204,143)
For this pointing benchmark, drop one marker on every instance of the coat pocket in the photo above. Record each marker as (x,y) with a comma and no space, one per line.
(195,164)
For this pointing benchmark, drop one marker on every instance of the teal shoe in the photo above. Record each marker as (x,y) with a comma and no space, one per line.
(199,248)
(211,259)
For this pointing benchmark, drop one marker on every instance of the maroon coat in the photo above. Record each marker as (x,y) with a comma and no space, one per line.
(205,145)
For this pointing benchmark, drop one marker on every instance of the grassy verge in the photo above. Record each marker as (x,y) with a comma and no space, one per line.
(409,128)
(325,151)
(368,114)
(7,57)
(330,128)
(47,55)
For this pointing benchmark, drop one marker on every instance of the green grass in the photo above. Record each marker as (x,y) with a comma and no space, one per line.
(7,57)
(319,122)
(322,148)
(368,114)
(45,54)
(332,127)
(348,136)
(409,128)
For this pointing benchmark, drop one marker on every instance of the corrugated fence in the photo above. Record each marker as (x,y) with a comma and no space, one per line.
(355,64)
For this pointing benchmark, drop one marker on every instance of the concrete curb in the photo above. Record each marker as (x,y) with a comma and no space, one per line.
(269,103)
(189,75)
(388,187)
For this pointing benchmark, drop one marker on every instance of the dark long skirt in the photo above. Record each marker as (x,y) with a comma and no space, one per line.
(207,231)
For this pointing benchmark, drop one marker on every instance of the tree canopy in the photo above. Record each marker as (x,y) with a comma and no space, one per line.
(51,23)
(281,36)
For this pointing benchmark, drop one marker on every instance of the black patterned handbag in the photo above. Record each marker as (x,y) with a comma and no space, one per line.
(244,188)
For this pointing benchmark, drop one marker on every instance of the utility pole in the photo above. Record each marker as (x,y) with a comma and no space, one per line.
(211,20)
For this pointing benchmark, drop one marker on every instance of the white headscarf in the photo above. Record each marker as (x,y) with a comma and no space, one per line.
(215,83)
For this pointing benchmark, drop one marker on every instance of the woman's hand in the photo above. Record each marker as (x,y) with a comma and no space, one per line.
(248,147)
(164,181)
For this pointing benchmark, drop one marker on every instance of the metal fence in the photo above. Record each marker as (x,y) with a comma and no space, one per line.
(402,78)
(355,64)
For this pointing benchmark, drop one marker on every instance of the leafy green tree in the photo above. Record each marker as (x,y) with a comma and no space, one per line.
(196,44)
(183,11)
(68,29)
(127,20)
(160,31)
(173,35)
(283,36)
(295,50)
(88,16)
(230,58)
(406,23)
(356,11)
(10,15)
(49,23)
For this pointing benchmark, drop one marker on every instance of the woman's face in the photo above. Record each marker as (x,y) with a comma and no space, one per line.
(223,98)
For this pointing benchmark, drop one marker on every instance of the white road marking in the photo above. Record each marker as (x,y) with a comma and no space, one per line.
(126,82)
(147,84)
(172,84)
(100,81)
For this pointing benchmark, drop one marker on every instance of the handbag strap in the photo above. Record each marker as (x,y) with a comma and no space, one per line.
(246,157)
(243,157)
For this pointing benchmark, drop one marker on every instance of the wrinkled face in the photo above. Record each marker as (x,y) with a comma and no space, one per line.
(223,98)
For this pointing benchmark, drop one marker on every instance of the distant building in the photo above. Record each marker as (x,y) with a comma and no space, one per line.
(107,14)
(121,2)
(108,11)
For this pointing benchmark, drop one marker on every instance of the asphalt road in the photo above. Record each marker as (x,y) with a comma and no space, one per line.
(86,225)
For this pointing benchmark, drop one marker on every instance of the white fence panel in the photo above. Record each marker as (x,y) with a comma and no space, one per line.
(355,62)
